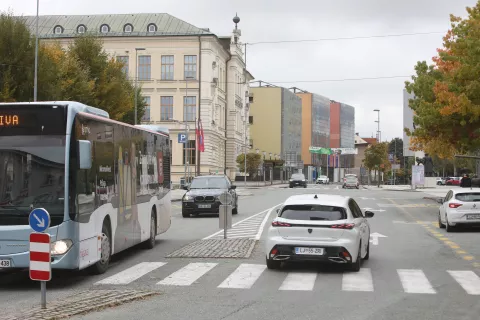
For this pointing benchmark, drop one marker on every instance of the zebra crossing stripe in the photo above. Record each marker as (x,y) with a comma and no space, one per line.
(469,281)
(359,281)
(132,274)
(244,276)
(301,281)
(415,281)
(188,274)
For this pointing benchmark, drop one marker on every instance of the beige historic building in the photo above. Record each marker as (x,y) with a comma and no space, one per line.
(185,73)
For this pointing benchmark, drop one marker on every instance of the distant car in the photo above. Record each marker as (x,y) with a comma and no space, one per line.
(454,181)
(351,182)
(323,228)
(440,181)
(297,180)
(203,195)
(323,180)
(460,207)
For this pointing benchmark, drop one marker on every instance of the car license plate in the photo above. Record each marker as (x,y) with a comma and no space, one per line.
(204,206)
(311,251)
(5,263)
(473,216)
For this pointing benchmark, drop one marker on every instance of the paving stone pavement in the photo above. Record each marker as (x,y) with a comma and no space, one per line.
(81,303)
(216,248)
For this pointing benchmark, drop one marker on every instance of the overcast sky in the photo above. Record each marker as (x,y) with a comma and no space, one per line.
(291,63)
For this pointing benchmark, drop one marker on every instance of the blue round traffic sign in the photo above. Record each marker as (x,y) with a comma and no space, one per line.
(39,220)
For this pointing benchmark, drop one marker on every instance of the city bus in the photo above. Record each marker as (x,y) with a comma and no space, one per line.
(105,184)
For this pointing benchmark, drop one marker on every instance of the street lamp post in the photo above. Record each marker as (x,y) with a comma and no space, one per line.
(264,153)
(136,75)
(35,80)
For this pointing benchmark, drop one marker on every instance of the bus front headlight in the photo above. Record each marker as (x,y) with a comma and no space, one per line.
(60,247)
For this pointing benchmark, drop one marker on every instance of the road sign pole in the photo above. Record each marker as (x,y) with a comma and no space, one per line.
(43,299)
(225,224)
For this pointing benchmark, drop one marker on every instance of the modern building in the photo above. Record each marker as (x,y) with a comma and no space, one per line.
(276,124)
(342,135)
(315,129)
(185,73)
(408,114)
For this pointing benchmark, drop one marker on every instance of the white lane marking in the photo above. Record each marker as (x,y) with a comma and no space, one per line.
(243,277)
(469,281)
(262,226)
(374,238)
(132,274)
(415,281)
(40,266)
(299,281)
(188,274)
(359,281)
(253,221)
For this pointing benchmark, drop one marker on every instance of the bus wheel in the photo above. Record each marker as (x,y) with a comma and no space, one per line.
(150,243)
(106,251)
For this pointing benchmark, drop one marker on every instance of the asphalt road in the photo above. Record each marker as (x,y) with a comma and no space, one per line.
(417,271)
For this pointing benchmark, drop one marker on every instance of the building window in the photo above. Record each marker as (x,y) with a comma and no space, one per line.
(58,30)
(189,108)
(144,67)
(152,27)
(146,115)
(128,28)
(166,108)
(190,67)
(124,60)
(189,148)
(250,119)
(104,28)
(81,29)
(167,68)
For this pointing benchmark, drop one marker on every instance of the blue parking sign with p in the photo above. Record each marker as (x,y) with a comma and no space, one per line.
(182,138)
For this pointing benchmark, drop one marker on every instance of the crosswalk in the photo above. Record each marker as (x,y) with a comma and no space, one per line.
(246,275)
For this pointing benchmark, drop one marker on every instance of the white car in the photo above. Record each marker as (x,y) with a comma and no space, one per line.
(459,207)
(323,228)
(323,180)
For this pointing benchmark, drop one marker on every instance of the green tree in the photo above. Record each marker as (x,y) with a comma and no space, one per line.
(396,147)
(17,56)
(141,105)
(253,162)
(376,158)
(447,93)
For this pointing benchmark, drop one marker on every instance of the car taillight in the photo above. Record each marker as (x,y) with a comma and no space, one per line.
(280,224)
(454,205)
(343,226)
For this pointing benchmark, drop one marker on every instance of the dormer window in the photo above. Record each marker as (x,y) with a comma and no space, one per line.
(81,29)
(128,28)
(58,30)
(152,27)
(104,28)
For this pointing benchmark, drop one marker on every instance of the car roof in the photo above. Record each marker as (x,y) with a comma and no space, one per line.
(322,199)
(464,190)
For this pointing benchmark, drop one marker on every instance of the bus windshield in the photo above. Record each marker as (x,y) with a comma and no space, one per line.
(31,176)
(32,163)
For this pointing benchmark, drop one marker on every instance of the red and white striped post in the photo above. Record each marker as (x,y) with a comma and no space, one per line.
(40,262)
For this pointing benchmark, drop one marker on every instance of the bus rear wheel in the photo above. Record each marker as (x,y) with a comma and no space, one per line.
(105,251)
(150,243)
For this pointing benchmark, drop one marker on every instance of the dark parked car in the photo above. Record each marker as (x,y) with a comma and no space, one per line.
(298,180)
(203,194)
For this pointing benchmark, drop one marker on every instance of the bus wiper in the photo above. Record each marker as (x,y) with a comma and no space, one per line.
(15,208)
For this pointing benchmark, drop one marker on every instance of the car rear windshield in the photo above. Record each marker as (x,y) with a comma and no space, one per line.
(351,179)
(313,212)
(468,197)
(298,176)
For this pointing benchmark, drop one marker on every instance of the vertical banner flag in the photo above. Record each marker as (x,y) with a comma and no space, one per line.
(200,141)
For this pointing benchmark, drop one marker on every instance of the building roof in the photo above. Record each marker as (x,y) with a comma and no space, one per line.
(370,140)
(359,140)
(165,25)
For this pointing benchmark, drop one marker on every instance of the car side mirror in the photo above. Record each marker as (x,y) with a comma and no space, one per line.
(84,154)
(233,187)
(440,200)
(185,187)
(369,214)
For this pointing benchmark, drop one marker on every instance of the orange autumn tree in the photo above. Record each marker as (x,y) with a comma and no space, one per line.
(447,94)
